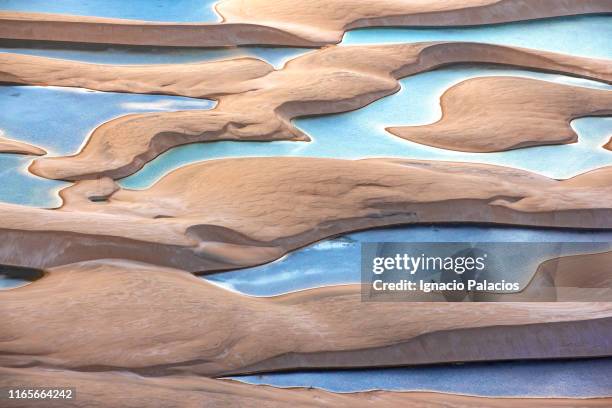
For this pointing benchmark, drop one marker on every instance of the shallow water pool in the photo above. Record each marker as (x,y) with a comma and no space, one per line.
(361,133)
(152,10)
(59,120)
(338,261)
(565,378)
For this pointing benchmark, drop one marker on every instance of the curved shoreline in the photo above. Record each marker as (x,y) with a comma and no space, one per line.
(309,24)
(256,102)
(488,115)
(96,30)
(13,146)
(115,304)
(223,333)
(231,213)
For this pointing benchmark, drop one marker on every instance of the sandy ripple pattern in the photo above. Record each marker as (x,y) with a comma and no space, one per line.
(257,103)
(310,23)
(114,302)
(488,115)
(230,213)
(316,328)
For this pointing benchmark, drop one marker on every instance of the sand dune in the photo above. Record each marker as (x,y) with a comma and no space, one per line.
(230,213)
(13,146)
(256,102)
(159,321)
(324,21)
(197,80)
(501,113)
(117,314)
(96,30)
(286,22)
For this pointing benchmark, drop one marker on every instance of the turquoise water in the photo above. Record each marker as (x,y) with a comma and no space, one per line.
(361,133)
(59,120)
(153,10)
(587,36)
(338,261)
(566,378)
(557,34)
(124,55)
(18,186)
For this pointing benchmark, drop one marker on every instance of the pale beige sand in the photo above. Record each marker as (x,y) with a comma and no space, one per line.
(13,146)
(255,102)
(130,391)
(119,315)
(96,30)
(501,113)
(228,213)
(287,22)
(197,80)
(326,21)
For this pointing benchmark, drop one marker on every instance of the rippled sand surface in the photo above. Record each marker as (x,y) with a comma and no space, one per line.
(185,189)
